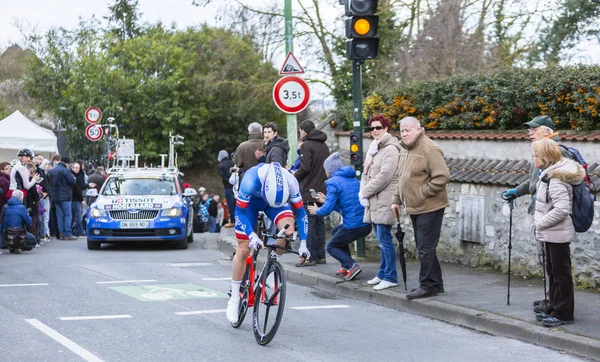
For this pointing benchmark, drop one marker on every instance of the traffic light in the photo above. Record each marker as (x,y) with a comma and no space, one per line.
(361,29)
(355,149)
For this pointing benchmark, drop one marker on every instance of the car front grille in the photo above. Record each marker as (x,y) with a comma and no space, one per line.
(134,232)
(140,215)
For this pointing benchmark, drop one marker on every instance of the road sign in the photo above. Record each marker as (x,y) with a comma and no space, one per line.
(291,94)
(126,150)
(93,115)
(291,65)
(94,132)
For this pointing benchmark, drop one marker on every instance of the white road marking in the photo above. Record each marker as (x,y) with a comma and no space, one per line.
(195,312)
(127,281)
(74,347)
(321,307)
(23,285)
(228,278)
(93,317)
(190,264)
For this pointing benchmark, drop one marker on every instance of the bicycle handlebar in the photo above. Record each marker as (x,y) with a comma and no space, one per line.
(280,235)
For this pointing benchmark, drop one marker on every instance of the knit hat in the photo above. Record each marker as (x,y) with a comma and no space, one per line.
(222,155)
(333,162)
(307,126)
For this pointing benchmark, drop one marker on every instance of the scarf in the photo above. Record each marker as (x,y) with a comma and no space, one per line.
(371,152)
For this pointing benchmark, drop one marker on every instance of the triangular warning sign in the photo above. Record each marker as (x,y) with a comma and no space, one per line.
(291,65)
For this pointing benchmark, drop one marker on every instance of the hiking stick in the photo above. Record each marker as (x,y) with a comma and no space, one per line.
(510,206)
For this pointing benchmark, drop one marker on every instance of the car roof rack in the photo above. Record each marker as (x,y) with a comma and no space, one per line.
(144,170)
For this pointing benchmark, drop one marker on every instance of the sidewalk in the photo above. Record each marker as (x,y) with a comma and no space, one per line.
(473,298)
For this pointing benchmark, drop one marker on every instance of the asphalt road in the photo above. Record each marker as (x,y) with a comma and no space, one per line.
(62,302)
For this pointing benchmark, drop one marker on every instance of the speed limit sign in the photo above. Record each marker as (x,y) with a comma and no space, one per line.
(291,94)
(94,132)
(93,115)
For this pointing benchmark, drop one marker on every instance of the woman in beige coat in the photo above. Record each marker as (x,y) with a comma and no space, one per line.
(377,188)
(554,227)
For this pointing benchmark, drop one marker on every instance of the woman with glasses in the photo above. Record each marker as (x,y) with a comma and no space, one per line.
(377,188)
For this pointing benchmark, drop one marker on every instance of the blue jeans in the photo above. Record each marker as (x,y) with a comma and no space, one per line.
(230,204)
(77,208)
(63,218)
(212,224)
(338,247)
(387,271)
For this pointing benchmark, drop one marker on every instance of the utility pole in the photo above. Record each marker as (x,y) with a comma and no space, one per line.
(358,130)
(292,127)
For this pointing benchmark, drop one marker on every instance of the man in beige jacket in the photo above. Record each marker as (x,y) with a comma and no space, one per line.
(422,179)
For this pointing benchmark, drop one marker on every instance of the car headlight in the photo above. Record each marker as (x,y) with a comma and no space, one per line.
(173,212)
(96,213)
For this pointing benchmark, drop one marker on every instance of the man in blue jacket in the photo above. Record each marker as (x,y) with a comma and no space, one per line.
(16,216)
(342,196)
(62,181)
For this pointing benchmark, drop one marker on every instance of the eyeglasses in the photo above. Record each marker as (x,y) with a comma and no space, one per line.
(379,128)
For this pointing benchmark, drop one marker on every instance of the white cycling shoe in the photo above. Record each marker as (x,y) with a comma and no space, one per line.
(233,312)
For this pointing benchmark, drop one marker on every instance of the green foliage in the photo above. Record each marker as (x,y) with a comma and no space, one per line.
(501,100)
(205,84)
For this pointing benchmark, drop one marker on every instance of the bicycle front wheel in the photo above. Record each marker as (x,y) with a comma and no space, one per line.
(269,303)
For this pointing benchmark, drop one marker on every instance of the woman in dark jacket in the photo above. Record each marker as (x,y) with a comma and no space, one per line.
(32,203)
(4,183)
(77,199)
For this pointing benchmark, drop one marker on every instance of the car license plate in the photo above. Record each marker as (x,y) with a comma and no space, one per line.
(134,224)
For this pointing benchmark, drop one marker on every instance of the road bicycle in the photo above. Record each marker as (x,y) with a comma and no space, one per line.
(265,291)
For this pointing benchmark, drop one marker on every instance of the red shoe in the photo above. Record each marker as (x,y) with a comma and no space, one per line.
(341,272)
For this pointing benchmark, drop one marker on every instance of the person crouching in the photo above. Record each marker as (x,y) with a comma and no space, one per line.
(15,216)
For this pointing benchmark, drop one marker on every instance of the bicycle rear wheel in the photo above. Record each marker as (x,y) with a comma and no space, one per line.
(244,290)
(269,303)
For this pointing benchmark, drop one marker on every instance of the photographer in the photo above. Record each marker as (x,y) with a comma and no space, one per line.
(225,168)
(14,215)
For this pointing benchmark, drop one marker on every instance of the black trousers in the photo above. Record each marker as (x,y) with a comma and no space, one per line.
(316,236)
(560,279)
(53,223)
(427,228)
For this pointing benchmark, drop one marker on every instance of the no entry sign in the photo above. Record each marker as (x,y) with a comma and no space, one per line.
(94,132)
(291,94)
(93,115)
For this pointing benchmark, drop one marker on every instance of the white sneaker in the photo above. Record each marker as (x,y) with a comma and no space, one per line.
(374,281)
(384,285)
(233,310)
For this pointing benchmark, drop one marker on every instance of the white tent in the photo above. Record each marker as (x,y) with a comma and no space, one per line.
(18,131)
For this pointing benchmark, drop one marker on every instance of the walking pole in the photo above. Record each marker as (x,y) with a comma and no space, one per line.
(511,204)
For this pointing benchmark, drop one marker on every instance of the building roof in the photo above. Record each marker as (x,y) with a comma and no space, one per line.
(516,135)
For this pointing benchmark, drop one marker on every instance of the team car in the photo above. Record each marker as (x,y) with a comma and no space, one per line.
(141,204)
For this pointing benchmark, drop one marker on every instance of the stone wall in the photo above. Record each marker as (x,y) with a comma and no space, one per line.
(475,231)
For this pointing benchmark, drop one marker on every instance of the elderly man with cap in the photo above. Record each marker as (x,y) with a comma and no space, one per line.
(311,175)
(342,196)
(539,128)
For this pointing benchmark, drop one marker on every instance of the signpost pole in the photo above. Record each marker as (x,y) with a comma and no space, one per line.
(358,129)
(292,128)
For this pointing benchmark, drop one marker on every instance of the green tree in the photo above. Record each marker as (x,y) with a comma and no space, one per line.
(124,19)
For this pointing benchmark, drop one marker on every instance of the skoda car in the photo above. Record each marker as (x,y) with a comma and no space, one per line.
(141,205)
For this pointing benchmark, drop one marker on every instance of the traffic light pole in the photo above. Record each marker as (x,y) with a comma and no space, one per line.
(292,128)
(358,129)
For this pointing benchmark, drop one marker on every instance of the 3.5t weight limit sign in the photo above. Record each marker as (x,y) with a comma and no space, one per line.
(291,94)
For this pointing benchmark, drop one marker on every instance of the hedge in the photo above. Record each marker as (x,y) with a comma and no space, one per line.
(501,100)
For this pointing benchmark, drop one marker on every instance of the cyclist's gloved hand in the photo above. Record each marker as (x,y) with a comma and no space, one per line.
(255,241)
(303,250)
(510,194)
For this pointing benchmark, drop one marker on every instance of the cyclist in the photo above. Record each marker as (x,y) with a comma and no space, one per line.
(266,188)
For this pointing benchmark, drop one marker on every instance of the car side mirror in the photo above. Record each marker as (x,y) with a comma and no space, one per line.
(189,192)
(92,193)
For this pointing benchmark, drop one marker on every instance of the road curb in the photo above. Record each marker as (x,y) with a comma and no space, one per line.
(479,320)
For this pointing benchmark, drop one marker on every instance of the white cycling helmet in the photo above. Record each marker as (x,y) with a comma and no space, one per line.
(275,189)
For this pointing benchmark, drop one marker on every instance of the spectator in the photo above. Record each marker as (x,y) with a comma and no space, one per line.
(19,175)
(77,198)
(32,201)
(423,176)
(4,183)
(203,212)
(96,180)
(56,159)
(311,175)
(62,182)
(14,215)
(245,157)
(225,166)
(50,225)
(342,196)
(378,184)
(201,192)
(554,227)
(220,215)
(276,148)
(213,212)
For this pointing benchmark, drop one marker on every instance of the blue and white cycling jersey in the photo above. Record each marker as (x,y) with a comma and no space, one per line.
(250,201)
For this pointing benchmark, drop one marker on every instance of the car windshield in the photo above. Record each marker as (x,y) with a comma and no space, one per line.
(159,185)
